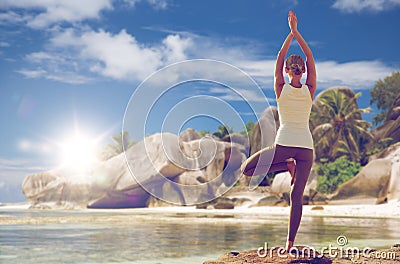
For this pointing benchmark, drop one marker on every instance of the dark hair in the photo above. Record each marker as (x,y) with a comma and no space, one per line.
(295,63)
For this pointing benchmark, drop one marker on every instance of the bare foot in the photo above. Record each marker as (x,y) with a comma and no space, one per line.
(291,165)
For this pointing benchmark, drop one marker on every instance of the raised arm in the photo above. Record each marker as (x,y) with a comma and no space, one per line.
(311,80)
(279,79)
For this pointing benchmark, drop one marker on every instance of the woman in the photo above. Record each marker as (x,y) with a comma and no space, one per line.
(293,148)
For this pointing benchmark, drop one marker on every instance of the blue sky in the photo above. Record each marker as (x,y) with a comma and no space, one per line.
(69,66)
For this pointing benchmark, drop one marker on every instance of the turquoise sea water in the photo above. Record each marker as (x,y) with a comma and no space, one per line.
(157,236)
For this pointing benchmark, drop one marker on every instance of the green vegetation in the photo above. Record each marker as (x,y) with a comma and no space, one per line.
(118,144)
(380,146)
(332,174)
(203,133)
(225,130)
(222,131)
(337,126)
(248,129)
(384,94)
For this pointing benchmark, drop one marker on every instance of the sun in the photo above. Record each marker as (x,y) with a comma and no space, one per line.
(78,153)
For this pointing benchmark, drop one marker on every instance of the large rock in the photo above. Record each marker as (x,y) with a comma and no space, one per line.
(394,111)
(189,134)
(51,186)
(394,184)
(264,130)
(210,178)
(372,181)
(238,139)
(380,179)
(393,154)
(172,168)
(281,186)
(281,183)
(391,127)
(263,135)
(43,186)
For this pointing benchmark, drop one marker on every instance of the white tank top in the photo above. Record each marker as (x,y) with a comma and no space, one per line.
(294,108)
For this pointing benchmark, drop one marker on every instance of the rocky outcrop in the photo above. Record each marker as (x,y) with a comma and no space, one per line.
(264,130)
(391,127)
(393,154)
(43,186)
(189,135)
(238,139)
(263,135)
(372,181)
(281,183)
(379,179)
(180,170)
(52,186)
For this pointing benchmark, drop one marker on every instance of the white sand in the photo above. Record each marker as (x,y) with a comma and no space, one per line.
(387,210)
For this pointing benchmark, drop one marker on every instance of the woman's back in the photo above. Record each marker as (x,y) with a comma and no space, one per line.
(294,107)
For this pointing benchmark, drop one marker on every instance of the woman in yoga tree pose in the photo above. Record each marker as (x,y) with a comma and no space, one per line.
(293,148)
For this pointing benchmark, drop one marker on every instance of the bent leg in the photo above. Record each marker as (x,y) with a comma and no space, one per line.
(267,160)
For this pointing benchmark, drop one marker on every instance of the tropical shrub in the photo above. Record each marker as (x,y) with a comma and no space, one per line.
(332,174)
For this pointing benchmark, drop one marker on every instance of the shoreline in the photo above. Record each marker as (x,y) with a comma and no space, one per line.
(387,210)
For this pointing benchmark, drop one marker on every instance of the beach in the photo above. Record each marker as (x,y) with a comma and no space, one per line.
(339,210)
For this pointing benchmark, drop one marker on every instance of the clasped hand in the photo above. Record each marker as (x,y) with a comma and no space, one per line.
(292,20)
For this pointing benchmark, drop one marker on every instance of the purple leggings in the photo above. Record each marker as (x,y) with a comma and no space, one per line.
(275,158)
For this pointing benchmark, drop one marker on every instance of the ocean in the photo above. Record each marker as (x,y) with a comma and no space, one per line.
(169,235)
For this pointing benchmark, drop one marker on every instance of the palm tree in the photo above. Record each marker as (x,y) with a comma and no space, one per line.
(222,131)
(248,129)
(337,125)
(118,144)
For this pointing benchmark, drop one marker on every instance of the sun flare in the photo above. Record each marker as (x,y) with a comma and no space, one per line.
(78,153)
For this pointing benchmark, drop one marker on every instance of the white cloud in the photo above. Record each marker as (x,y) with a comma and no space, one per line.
(32,73)
(175,48)
(57,75)
(260,70)
(12,17)
(118,56)
(77,56)
(237,94)
(48,12)
(351,6)
(41,14)
(357,74)
(13,171)
(157,4)
(4,44)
